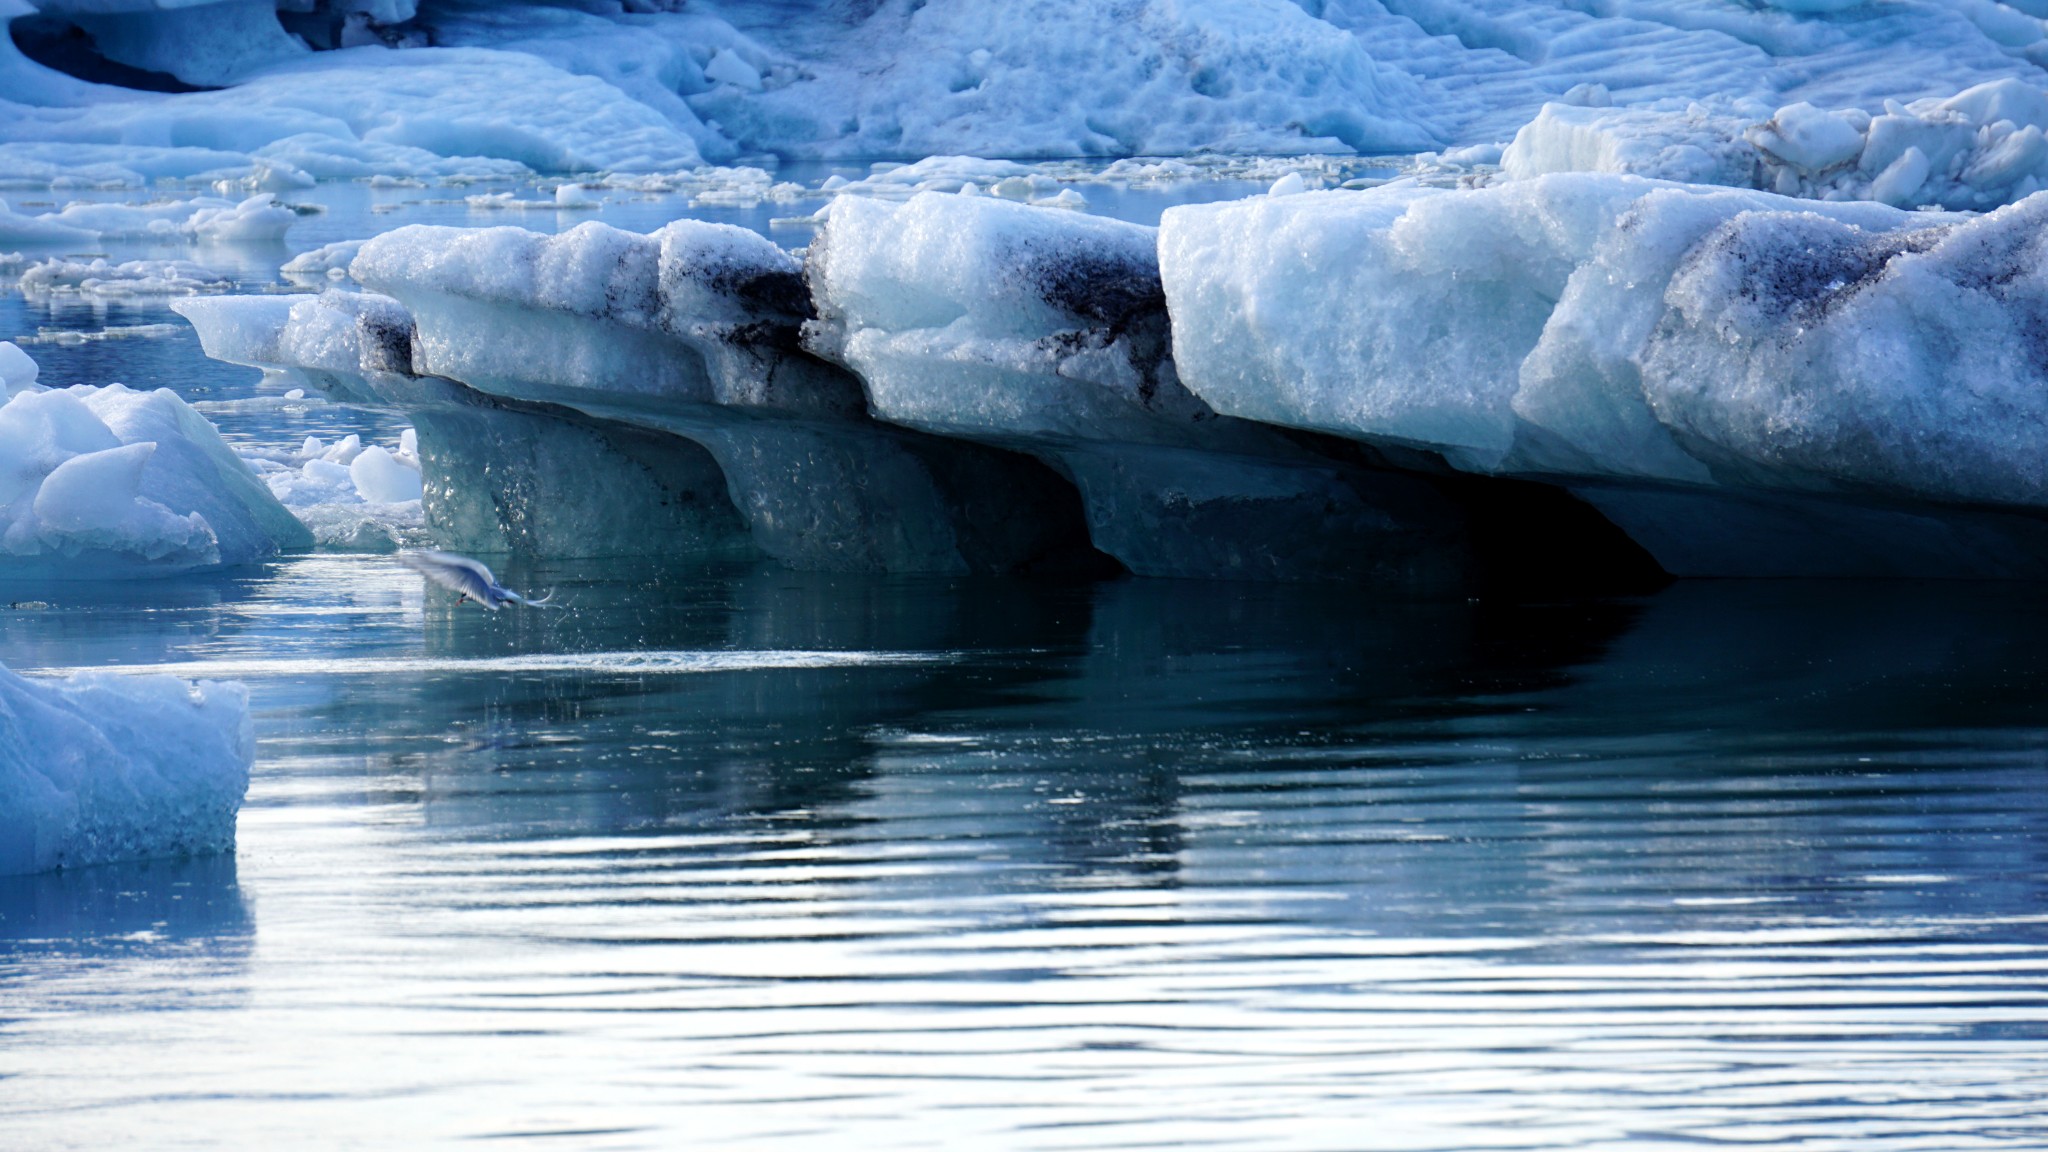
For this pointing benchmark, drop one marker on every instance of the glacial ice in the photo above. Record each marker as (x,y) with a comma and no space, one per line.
(1047,332)
(465,89)
(99,767)
(107,483)
(1714,369)
(693,332)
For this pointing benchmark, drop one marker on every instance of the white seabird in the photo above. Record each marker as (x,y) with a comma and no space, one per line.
(469,577)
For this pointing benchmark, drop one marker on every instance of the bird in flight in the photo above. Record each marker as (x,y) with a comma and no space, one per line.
(469,577)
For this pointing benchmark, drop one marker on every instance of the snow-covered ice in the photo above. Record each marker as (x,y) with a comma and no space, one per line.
(100,767)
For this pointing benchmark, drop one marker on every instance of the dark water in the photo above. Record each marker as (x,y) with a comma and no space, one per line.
(938,864)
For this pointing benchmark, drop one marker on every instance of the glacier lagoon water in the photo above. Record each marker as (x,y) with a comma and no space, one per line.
(752,858)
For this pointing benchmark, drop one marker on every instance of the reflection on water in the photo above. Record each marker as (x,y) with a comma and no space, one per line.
(1064,866)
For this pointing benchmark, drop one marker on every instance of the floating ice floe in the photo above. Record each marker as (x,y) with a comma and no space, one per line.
(681,347)
(327,262)
(99,767)
(109,483)
(74,336)
(257,218)
(104,280)
(1745,383)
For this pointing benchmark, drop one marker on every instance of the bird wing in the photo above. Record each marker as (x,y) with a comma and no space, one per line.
(456,573)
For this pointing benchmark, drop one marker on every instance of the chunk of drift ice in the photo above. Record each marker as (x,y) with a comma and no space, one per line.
(327,262)
(1047,332)
(1982,148)
(98,768)
(1602,328)
(103,280)
(257,218)
(18,370)
(109,483)
(382,479)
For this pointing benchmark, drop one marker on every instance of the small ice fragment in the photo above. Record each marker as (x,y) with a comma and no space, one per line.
(382,479)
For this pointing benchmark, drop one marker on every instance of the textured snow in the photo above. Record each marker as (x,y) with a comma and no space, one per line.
(99,767)
(972,315)
(111,483)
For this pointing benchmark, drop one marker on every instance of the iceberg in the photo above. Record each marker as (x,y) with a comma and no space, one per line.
(100,767)
(1046,332)
(693,332)
(497,475)
(108,482)
(1745,383)
(353,497)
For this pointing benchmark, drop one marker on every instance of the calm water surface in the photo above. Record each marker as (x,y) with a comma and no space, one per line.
(910,863)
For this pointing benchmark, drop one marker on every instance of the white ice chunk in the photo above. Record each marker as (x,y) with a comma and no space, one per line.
(97,768)
(109,482)
(18,370)
(382,479)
